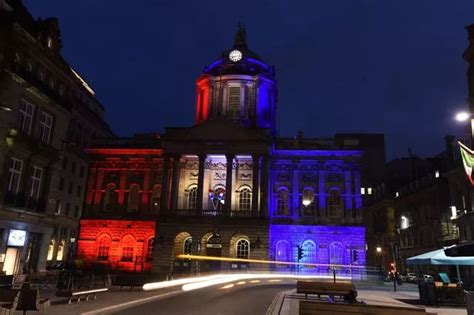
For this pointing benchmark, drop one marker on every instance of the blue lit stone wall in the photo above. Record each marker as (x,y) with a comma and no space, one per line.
(322,244)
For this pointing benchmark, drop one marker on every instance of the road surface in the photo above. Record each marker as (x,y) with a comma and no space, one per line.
(248,298)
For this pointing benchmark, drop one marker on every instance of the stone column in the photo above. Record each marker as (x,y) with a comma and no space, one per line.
(255,179)
(122,203)
(295,204)
(175,182)
(98,189)
(322,194)
(228,183)
(164,184)
(264,188)
(348,194)
(358,198)
(145,200)
(200,188)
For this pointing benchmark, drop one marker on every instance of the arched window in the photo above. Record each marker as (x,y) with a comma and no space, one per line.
(110,198)
(134,198)
(104,247)
(149,249)
(309,250)
(308,203)
(192,197)
(52,242)
(282,251)
(282,202)
(334,203)
(243,249)
(188,246)
(155,198)
(61,248)
(336,254)
(128,243)
(245,199)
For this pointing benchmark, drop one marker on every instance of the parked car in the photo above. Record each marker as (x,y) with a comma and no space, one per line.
(410,277)
(428,278)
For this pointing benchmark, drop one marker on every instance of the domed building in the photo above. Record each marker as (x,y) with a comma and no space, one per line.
(227,186)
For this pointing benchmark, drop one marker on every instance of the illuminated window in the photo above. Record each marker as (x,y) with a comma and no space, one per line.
(245,199)
(309,251)
(404,222)
(156,198)
(16,167)
(362,191)
(149,249)
(243,249)
(334,203)
(52,242)
(454,212)
(50,42)
(134,198)
(369,191)
(110,198)
(282,251)
(192,197)
(187,246)
(282,202)
(336,254)
(25,117)
(36,182)
(127,243)
(60,254)
(127,254)
(103,248)
(234,100)
(437,174)
(46,126)
(218,198)
(397,194)
(307,202)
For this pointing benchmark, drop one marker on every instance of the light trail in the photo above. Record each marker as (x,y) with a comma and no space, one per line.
(172,283)
(263,261)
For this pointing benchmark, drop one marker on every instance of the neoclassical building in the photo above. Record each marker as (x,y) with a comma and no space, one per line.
(227,186)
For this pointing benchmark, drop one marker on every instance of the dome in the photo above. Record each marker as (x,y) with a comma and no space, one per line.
(239,60)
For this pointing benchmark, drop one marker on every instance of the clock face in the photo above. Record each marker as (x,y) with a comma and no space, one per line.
(235,55)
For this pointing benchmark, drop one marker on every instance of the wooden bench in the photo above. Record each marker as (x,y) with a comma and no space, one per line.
(8,301)
(342,289)
(322,308)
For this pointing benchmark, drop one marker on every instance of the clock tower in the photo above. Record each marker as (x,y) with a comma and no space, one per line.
(238,86)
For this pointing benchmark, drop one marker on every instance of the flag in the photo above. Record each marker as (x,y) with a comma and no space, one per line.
(468,161)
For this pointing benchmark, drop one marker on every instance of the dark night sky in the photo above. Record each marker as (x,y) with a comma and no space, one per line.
(390,67)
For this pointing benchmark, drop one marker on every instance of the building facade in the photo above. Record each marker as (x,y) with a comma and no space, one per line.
(48,114)
(227,186)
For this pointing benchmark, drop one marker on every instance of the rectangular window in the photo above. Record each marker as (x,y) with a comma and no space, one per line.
(25,118)
(76,212)
(79,191)
(16,167)
(103,252)
(234,100)
(68,206)
(64,163)
(127,254)
(70,188)
(81,172)
(58,207)
(73,167)
(61,184)
(36,177)
(46,126)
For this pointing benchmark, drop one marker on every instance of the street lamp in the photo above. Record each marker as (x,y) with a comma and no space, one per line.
(462,116)
(378,249)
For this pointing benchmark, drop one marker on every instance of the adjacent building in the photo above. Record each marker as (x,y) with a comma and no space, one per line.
(48,114)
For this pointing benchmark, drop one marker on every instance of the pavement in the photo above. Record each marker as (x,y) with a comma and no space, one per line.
(263,296)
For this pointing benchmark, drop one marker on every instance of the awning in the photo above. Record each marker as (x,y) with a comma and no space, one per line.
(438,257)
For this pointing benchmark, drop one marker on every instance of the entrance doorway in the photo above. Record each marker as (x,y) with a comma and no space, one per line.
(214,248)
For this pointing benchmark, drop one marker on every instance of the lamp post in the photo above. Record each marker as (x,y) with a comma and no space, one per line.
(464,116)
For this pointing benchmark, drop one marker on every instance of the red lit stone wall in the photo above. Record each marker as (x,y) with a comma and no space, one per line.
(114,236)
